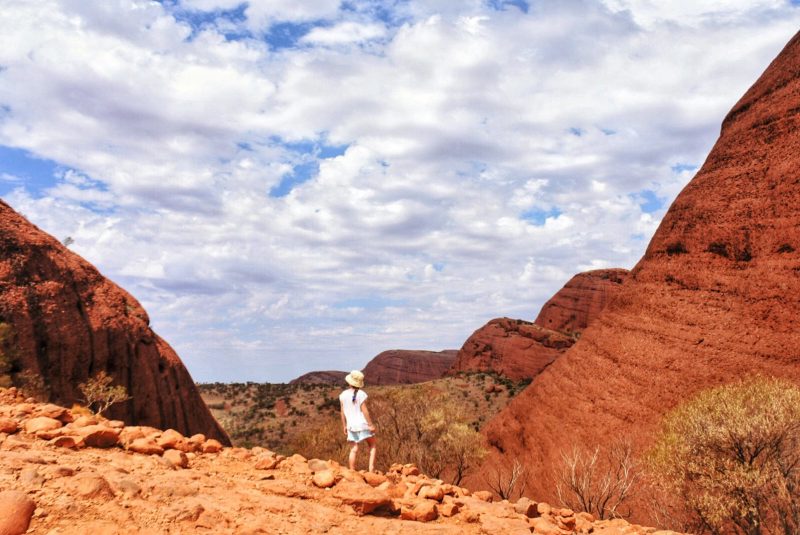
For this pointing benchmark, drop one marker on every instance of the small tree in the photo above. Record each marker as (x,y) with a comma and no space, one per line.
(98,392)
(732,456)
(506,478)
(596,483)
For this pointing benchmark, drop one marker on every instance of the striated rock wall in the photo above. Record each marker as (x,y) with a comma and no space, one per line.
(714,298)
(581,300)
(402,366)
(515,348)
(68,322)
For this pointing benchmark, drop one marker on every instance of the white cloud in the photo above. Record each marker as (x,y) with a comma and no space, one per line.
(457,123)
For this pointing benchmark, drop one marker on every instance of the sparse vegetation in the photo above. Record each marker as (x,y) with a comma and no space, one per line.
(597,482)
(718,248)
(676,248)
(731,456)
(99,394)
(506,478)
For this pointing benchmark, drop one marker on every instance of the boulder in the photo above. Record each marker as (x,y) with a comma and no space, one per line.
(8,425)
(16,511)
(145,446)
(41,423)
(211,446)
(362,498)
(99,436)
(176,458)
(400,366)
(324,479)
(419,511)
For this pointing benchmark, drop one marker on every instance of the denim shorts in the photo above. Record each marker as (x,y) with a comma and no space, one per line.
(358,436)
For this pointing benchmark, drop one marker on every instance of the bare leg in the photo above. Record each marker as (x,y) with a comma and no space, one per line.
(353,453)
(371,443)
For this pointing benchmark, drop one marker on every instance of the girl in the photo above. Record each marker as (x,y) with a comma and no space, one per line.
(356,420)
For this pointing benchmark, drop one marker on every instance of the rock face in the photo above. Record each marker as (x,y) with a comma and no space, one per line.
(520,349)
(68,322)
(331,377)
(715,296)
(401,366)
(581,300)
(515,348)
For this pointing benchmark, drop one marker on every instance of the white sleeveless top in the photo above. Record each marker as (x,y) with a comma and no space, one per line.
(352,411)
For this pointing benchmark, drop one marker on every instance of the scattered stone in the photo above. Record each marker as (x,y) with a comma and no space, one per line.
(90,486)
(41,423)
(430,492)
(145,446)
(324,479)
(374,479)
(54,411)
(7,425)
(176,458)
(362,498)
(449,509)
(16,511)
(30,477)
(66,441)
(85,420)
(99,436)
(526,506)
(266,463)
(211,446)
(483,495)
(420,511)
(170,439)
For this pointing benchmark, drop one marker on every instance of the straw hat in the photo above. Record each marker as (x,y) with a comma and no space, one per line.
(355,379)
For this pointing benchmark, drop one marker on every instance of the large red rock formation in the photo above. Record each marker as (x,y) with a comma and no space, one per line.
(520,349)
(329,377)
(581,300)
(714,298)
(401,366)
(515,348)
(68,322)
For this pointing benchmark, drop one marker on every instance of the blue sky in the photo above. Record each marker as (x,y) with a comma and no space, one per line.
(290,186)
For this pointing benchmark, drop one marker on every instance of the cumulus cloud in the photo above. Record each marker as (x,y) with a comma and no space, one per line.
(394,176)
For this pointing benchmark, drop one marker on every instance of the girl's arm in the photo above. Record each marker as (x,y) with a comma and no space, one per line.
(365,412)
(344,420)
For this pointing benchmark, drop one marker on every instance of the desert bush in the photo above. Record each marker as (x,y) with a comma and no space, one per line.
(506,477)
(598,482)
(731,456)
(414,424)
(98,392)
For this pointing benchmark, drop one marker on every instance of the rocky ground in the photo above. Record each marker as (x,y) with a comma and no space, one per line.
(65,472)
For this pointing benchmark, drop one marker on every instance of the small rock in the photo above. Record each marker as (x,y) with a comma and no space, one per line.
(90,486)
(266,463)
(483,495)
(526,506)
(449,509)
(66,441)
(361,497)
(373,479)
(7,425)
(420,511)
(99,436)
(145,446)
(324,479)
(41,423)
(116,424)
(429,492)
(16,510)
(170,439)
(211,446)
(128,487)
(85,420)
(54,411)
(176,458)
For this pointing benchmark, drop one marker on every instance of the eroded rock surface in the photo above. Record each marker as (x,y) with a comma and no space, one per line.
(401,366)
(581,300)
(68,322)
(328,377)
(715,296)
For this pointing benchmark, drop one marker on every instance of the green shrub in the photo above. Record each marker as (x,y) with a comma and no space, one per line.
(731,455)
